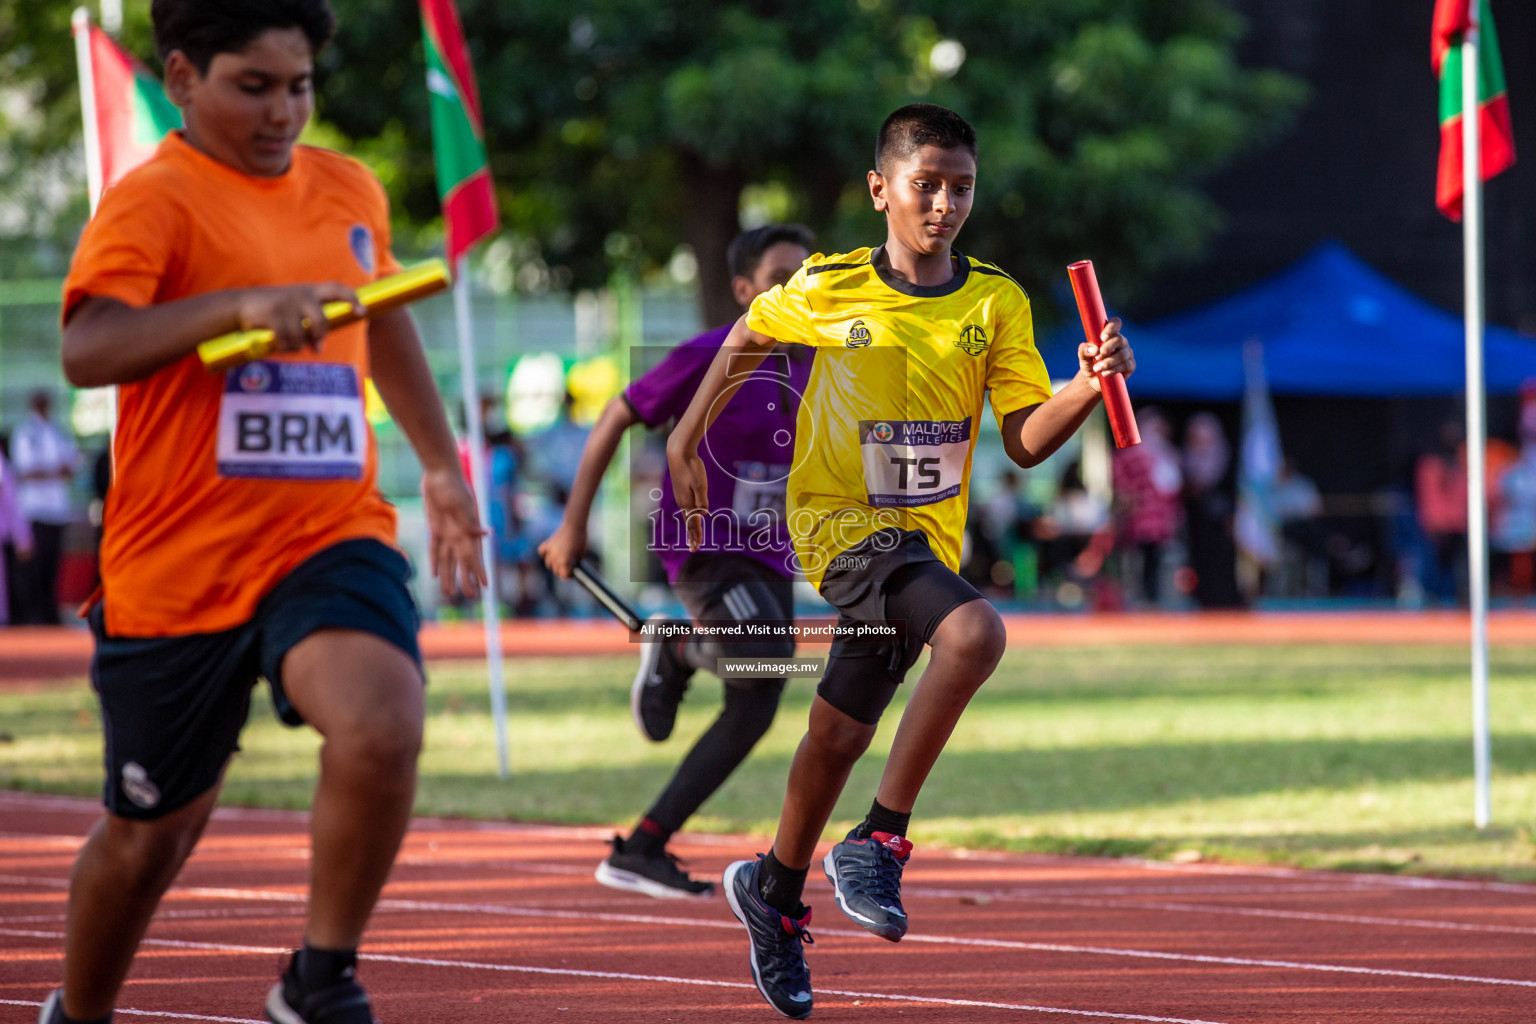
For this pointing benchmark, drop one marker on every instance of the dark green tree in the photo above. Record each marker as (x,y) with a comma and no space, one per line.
(620,128)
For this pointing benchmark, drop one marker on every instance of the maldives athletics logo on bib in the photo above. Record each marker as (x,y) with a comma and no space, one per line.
(361,241)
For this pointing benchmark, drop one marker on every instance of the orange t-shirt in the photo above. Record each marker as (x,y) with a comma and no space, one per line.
(223,483)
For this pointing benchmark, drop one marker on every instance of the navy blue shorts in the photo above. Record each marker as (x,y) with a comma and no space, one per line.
(173,707)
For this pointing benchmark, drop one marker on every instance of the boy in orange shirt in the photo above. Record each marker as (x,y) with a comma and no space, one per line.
(244,532)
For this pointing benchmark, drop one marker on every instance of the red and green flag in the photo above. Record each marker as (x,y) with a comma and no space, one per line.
(458,134)
(1496,138)
(126,111)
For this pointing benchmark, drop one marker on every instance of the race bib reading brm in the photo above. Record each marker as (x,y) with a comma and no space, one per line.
(292,421)
(913,462)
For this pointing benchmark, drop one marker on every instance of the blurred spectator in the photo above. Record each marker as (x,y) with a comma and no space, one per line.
(1440,496)
(1512,537)
(15,535)
(1208,510)
(1297,505)
(558,453)
(1076,538)
(45,460)
(1010,519)
(1147,483)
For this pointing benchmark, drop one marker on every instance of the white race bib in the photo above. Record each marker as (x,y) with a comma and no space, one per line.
(760,486)
(292,421)
(913,462)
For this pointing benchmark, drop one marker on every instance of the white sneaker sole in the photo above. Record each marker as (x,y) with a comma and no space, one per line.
(617,878)
(278,1010)
(650,654)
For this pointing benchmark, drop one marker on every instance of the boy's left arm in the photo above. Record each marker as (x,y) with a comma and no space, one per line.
(1032,434)
(404,380)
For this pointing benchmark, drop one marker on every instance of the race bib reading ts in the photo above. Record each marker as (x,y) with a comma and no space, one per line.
(293,421)
(913,462)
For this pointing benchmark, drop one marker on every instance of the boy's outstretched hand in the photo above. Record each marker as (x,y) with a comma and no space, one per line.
(294,313)
(455,533)
(691,489)
(1111,355)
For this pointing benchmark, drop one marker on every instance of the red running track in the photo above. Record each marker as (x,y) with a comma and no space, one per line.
(488,922)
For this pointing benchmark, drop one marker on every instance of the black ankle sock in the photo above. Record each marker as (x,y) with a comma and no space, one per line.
(315,969)
(60,1017)
(779,886)
(883,819)
(648,837)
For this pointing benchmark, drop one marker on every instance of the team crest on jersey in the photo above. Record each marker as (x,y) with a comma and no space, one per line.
(972,340)
(858,335)
(361,241)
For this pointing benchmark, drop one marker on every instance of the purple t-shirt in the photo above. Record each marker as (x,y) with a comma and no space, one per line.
(747,451)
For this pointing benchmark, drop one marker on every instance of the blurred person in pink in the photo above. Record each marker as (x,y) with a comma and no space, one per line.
(1148,482)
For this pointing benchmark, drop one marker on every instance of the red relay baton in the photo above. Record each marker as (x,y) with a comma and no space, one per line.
(1117,400)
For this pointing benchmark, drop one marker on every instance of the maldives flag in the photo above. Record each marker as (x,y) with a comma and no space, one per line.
(126,111)
(1496,137)
(458,135)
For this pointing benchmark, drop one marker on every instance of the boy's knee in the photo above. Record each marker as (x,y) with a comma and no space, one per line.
(148,854)
(387,741)
(839,736)
(973,632)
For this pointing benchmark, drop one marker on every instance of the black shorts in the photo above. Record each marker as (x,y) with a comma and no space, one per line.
(172,707)
(724,587)
(891,578)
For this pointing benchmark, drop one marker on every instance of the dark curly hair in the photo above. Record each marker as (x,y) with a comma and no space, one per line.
(202,29)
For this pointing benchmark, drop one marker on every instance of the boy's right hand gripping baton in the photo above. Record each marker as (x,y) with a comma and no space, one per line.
(1117,400)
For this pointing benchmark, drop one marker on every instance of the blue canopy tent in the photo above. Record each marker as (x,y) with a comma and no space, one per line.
(1330,324)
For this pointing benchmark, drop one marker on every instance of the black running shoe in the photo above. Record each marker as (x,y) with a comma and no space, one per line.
(342,1003)
(655,872)
(866,879)
(659,685)
(777,956)
(53,1008)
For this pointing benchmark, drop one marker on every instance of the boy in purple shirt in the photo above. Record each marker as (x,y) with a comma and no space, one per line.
(743,572)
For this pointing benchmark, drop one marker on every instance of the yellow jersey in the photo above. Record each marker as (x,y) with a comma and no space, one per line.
(889,419)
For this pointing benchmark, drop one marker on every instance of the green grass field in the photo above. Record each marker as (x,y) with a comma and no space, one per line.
(1343,757)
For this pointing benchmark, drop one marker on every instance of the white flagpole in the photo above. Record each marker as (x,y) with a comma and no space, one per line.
(490,608)
(1477,504)
(81,24)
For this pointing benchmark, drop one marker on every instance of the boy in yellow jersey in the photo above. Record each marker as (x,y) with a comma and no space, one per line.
(244,533)
(910,336)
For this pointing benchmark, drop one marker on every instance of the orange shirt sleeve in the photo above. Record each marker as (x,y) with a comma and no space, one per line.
(387,264)
(126,250)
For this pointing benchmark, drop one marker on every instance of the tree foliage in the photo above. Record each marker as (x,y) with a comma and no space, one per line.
(621,129)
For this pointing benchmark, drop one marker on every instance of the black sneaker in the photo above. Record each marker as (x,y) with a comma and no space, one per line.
(342,1003)
(777,956)
(659,685)
(53,1008)
(655,873)
(866,879)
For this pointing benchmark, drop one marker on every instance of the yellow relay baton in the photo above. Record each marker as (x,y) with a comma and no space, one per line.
(381,296)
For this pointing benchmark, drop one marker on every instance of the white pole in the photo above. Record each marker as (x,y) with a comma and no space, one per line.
(81,22)
(1477,505)
(112,16)
(488,602)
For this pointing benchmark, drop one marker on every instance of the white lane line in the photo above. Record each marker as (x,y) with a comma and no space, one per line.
(1022,896)
(83,805)
(146,1013)
(564,972)
(502,910)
